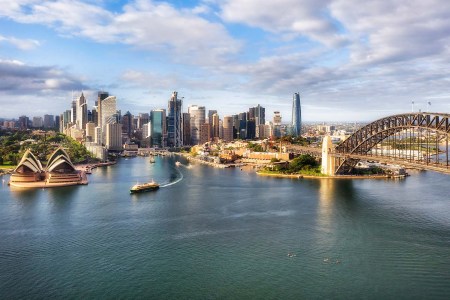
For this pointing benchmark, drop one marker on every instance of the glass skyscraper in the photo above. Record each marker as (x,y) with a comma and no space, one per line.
(158,128)
(175,134)
(296,115)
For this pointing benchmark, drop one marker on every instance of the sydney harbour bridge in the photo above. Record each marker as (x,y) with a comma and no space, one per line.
(414,140)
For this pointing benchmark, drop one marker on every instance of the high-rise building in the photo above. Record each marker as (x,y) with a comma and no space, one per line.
(242,125)
(127,124)
(113,135)
(142,119)
(197,114)
(211,112)
(228,128)
(73,112)
(37,122)
(108,115)
(23,123)
(158,131)
(81,112)
(100,97)
(296,115)
(258,114)
(186,129)
(215,126)
(205,134)
(49,121)
(90,132)
(109,110)
(174,120)
(276,129)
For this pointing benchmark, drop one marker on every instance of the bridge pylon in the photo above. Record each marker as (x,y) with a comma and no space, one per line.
(328,161)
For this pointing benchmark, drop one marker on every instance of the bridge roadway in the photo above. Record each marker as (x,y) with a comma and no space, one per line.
(409,164)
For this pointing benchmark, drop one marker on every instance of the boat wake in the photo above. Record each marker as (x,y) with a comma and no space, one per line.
(173,182)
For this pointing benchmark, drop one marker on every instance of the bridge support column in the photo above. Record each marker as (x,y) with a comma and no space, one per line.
(328,161)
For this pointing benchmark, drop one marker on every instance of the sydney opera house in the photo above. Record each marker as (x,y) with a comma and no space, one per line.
(59,171)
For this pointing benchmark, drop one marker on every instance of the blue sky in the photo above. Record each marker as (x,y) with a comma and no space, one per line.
(348,61)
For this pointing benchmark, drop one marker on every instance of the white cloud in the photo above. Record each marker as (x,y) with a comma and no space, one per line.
(143,24)
(17,77)
(308,18)
(22,44)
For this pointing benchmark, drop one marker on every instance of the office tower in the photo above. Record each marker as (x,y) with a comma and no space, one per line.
(296,115)
(215,126)
(23,123)
(127,124)
(109,110)
(197,114)
(205,133)
(56,123)
(235,126)
(158,130)
(108,115)
(94,117)
(258,114)
(81,112)
(276,129)
(90,131)
(186,129)
(113,136)
(37,122)
(73,112)
(49,121)
(242,125)
(100,97)
(228,128)
(250,129)
(142,119)
(276,118)
(211,112)
(174,120)
(66,119)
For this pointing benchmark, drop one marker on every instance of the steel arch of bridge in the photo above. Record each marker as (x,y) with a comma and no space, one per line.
(366,138)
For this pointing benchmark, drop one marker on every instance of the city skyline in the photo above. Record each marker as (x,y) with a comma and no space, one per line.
(350,63)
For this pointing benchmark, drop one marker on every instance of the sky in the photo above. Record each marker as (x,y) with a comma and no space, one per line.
(350,60)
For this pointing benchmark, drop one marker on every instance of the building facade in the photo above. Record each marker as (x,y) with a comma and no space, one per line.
(197,114)
(158,131)
(174,122)
(296,115)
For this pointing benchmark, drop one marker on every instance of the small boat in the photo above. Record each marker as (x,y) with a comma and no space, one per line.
(152,160)
(145,187)
(177,163)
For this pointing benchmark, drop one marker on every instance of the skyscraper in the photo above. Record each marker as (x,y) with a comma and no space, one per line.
(186,129)
(211,112)
(197,114)
(175,132)
(228,128)
(158,128)
(215,125)
(258,114)
(81,112)
(49,121)
(127,124)
(101,96)
(296,115)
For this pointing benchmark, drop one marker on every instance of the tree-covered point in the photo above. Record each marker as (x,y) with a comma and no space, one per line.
(14,144)
(303,164)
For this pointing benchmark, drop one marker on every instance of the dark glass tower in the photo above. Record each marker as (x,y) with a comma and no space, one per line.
(174,126)
(296,115)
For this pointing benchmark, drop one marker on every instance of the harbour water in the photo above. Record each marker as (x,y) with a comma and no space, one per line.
(226,233)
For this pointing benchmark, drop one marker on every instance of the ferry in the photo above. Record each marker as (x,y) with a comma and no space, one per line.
(145,187)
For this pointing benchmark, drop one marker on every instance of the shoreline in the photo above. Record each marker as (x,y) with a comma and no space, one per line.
(300,176)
